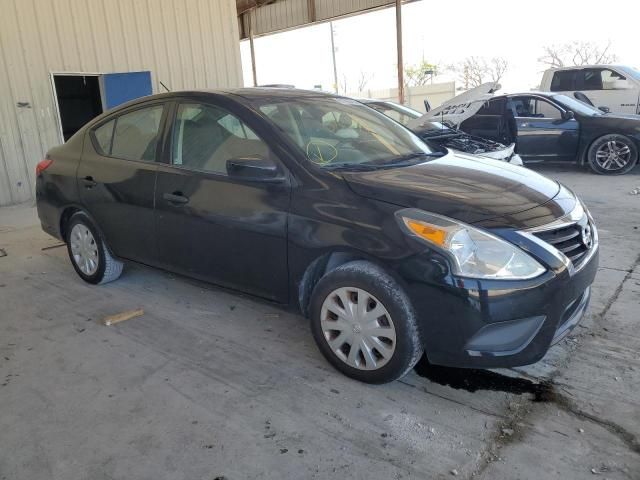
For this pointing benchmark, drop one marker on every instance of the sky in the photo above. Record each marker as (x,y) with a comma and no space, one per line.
(444,33)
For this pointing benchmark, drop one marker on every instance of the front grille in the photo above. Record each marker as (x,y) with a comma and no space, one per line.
(567,239)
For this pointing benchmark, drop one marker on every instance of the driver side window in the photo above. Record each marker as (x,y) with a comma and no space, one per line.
(531,107)
(206,136)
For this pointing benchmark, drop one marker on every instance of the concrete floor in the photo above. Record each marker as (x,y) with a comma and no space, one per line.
(209,384)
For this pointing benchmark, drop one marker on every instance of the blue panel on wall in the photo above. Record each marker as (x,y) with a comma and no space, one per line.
(122,87)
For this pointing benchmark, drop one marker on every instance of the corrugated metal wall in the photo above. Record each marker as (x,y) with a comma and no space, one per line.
(185,44)
(285,14)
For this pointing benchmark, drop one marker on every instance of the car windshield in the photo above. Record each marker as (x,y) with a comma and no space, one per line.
(577,106)
(342,133)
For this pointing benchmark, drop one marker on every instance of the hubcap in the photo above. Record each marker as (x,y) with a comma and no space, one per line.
(84,249)
(358,328)
(613,155)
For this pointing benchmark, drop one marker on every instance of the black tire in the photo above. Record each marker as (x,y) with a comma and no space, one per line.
(600,145)
(376,282)
(108,268)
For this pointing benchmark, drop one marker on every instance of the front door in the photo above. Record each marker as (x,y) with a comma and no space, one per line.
(211,226)
(543,133)
(116,179)
(608,88)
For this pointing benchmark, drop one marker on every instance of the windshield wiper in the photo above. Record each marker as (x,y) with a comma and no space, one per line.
(354,167)
(409,159)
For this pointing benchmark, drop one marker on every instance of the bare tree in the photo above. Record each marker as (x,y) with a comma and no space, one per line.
(577,53)
(420,74)
(363,80)
(474,71)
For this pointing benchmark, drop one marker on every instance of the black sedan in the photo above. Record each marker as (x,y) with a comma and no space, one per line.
(391,248)
(554,127)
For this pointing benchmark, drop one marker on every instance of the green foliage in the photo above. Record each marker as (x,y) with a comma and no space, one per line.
(420,73)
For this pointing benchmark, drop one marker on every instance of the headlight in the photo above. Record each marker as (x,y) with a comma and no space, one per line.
(474,253)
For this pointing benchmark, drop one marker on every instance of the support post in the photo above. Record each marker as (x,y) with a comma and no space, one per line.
(253,52)
(333,57)
(399,48)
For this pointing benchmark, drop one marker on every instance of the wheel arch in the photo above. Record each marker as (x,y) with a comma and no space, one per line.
(68,212)
(320,266)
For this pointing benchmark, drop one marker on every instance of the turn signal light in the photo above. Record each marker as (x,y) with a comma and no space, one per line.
(426,231)
(43,165)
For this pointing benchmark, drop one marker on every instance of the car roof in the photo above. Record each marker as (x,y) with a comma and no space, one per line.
(249,93)
(579,67)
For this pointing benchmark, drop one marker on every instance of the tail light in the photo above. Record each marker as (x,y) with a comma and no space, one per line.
(43,165)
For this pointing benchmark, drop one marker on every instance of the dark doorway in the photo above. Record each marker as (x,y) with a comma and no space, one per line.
(79,101)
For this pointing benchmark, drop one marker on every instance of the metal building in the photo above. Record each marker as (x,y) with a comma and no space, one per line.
(55,57)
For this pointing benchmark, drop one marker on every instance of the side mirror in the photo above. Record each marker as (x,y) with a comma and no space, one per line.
(427,106)
(604,109)
(254,168)
(568,115)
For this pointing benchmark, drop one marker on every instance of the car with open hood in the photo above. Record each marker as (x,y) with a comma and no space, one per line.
(391,247)
(549,127)
(439,133)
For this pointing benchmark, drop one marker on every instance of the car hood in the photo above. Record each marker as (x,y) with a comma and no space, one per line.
(468,188)
(459,108)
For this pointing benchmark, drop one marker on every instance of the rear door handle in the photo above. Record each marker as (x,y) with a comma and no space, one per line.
(175,197)
(89,182)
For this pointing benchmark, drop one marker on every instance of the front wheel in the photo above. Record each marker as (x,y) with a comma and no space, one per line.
(364,323)
(612,155)
(88,252)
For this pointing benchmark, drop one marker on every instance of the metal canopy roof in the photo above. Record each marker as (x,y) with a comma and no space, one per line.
(270,16)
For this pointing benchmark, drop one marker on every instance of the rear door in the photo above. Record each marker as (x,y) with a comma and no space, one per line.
(116,178)
(543,133)
(226,230)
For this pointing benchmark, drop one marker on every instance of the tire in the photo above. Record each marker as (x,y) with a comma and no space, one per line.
(88,252)
(612,155)
(363,283)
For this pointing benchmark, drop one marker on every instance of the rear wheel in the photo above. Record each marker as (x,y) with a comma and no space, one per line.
(88,252)
(364,324)
(612,155)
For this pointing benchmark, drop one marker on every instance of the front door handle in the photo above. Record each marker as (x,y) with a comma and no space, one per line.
(176,198)
(524,125)
(89,182)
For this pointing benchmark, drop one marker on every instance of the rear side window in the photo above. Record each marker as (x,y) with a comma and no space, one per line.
(136,134)
(563,81)
(103,135)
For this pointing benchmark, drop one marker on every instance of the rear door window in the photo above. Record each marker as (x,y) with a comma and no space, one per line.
(563,81)
(136,134)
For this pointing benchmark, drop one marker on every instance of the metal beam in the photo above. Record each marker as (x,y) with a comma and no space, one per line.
(399,51)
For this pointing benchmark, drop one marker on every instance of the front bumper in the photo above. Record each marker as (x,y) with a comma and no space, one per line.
(493,323)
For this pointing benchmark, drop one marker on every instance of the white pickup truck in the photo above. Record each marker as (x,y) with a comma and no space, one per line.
(615,88)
